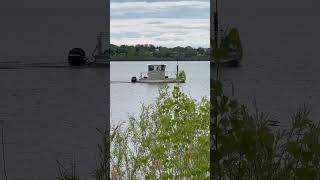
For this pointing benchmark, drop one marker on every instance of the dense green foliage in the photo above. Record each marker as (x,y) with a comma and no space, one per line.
(232,43)
(246,147)
(181,76)
(169,140)
(181,138)
(149,50)
(228,49)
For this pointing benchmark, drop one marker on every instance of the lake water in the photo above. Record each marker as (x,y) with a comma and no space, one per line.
(281,59)
(51,114)
(126,98)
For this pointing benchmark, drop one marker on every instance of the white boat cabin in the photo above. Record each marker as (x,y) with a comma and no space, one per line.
(156,71)
(157,74)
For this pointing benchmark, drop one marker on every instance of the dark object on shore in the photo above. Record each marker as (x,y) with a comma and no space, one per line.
(77,57)
(230,63)
(231,48)
(134,79)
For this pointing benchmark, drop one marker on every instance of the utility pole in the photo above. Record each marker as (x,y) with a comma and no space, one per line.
(216,25)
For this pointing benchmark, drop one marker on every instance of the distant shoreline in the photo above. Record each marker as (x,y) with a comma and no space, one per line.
(157,59)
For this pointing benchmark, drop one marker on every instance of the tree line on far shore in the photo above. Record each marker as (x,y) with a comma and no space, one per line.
(152,51)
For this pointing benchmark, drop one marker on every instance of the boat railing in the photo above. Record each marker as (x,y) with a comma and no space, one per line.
(143,74)
(171,73)
(167,73)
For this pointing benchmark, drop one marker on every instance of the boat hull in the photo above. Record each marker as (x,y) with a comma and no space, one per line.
(168,80)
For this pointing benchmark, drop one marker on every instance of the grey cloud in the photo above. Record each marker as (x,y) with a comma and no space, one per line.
(169,23)
(156,0)
(126,35)
(178,39)
(162,39)
(185,27)
(153,35)
(187,12)
(155,22)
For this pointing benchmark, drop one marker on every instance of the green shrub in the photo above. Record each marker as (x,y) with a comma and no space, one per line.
(181,76)
(245,147)
(169,140)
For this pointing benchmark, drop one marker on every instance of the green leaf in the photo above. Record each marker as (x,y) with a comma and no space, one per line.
(181,76)
(306,173)
(216,87)
(307,156)
(267,138)
(294,149)
(219,53)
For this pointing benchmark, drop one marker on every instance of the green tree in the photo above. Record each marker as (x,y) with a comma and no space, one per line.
(181,75)
(149,50)
(169,140)
(244,146)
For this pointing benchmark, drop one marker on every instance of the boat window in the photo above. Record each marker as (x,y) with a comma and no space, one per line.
(151,68)
(163,67)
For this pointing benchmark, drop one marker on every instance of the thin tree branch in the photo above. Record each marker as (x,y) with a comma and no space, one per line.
(3,153)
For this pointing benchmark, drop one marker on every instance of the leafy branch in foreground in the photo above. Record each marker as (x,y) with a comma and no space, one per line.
(3,152)
(245,147)
(67,173)
(103,166)
(181,76)
(168,140)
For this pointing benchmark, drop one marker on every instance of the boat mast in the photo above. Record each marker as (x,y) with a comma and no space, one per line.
(177,66)
(178,56)
(216,28)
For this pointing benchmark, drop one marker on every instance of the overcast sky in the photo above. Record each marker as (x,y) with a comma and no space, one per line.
(166,23)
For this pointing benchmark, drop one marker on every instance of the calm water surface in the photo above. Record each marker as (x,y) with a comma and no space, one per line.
(126,98)
(281,59)
(51,114)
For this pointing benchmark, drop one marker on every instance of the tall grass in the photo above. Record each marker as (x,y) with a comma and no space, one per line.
(67,172)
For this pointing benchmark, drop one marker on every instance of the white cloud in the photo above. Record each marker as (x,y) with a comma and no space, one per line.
(158,4)
(176,9)
(114,1)
(174,23)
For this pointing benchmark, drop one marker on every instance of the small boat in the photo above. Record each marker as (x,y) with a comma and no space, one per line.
(157,74)
(99,56)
